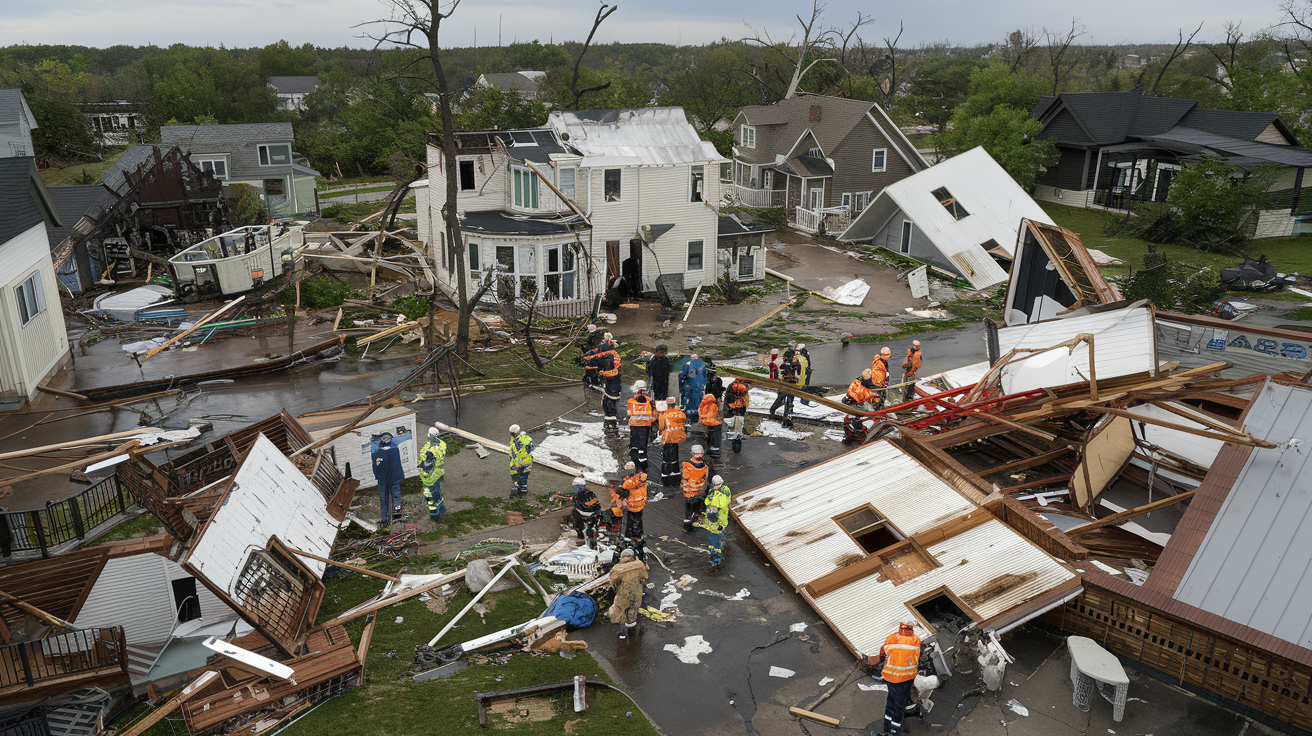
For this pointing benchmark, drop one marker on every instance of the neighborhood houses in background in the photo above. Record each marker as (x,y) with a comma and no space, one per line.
(257,154)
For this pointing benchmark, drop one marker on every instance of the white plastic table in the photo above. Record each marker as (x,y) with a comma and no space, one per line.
(1091,664)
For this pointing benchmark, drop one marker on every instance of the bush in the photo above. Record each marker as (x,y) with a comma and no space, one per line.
(769,216)
(1182,287)
(413,307)
(332,211)
(729,290)
(318,292)
(1156,222)
(249,209)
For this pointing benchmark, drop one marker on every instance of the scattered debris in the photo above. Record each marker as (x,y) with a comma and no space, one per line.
(692,649)
(781,672)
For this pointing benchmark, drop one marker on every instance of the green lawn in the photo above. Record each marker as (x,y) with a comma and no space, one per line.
(351,192)
(346,182)
(88,173)
(1289,254)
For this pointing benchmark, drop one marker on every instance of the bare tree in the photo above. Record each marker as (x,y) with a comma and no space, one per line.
(1226,54)
(816,39)
(888,87)
(416,24)
(1060,58)
(1297,17)
(1181,46)
(1018,47)
(602,14)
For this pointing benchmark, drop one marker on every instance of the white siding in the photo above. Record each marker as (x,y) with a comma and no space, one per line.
(423,215)
(354,446)
(1123,341)
(28,353)
(133,592)
(211,608)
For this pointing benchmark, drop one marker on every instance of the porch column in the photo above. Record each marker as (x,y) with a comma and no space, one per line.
(1298,191)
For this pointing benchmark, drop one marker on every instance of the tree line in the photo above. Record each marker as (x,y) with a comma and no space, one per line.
(374,107)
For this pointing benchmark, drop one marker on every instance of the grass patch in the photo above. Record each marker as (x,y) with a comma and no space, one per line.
(353,180)
(350,192)
(145,525)
(910,328)
(1302,314)
(347,213)
(88,173)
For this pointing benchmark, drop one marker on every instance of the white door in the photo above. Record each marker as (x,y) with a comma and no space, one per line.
(817,197)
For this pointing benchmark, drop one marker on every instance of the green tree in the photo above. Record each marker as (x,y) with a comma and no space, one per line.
(996,115)
(712,89)
(996,85)
(1214,202)
(937,86)
(249,209)
(489,108)
(61,131)
(282,60)
(184,83)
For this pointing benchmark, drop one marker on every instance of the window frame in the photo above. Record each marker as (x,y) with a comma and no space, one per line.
(473,256)
(571,190)
(697,183)
(882,522)
(815,152)
(265,155)
(473,180)
(605,185)
(747,256)
(904,239)
(880,155)
(861,200)
(30,289)
(747,132)
(950,203)
(566,272)
(847,199)
(726,172)
(688,255)
(221,161)
(524,188)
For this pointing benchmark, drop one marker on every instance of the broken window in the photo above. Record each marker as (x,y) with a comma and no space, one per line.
(186,600)
(940,609)
(467,176)
(726,173)
(880,160)
(217,166)
(695,252)
(869,529)
(611,185)
(904,246)
(559,275)
(949,202)
(566,177)
(747,263)
(698,181)
(275,155)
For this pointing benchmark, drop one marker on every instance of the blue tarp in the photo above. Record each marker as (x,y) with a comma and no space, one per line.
(577,610)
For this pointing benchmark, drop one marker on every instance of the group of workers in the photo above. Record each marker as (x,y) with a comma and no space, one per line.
(793,367)
(870,390)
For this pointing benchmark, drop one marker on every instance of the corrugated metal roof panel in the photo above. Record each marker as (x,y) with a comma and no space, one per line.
(792,518)
(995,202)
(990,566)
(1123,342)
(1254,566)
(649,136)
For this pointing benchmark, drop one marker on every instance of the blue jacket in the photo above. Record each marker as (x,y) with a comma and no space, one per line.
(692,383)
(387,464)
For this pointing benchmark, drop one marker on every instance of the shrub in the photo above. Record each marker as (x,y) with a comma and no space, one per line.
(318,292)
(249,209)
(332,211)
(413,307)
(1178,286)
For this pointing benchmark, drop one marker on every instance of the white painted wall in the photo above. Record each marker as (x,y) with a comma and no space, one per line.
(29,353)
(136,592)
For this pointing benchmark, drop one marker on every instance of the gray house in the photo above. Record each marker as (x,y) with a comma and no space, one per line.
(524,84)
(258,154)
(292,91)
(16,124)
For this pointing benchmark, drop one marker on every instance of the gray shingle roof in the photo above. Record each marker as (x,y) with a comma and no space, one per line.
(1244,125)
(512,80)
(294,85)
(72,203)
(13,106)
(129,161)
(838,116)
(23,199)
(1116,117)
(191,135)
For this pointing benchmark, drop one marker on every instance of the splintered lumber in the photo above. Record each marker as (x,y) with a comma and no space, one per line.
(34,611)
(335,563)
(1230,435)
(61,392)
(504,449)
(173,704)
(1131,513)
(395,330)
(510,564)
(98,439)
(386,599)
(73,465)
(201,323)
(813,716)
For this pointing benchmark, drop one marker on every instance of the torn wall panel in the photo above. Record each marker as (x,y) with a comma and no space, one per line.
(1106,452)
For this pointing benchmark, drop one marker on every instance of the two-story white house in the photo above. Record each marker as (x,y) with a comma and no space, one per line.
(596,200)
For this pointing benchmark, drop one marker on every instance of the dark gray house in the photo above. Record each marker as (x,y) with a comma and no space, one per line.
(1118,148)
(821,158)
(292,91)
(258,154)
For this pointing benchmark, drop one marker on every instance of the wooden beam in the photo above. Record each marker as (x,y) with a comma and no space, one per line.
(1235,437)
(60,392)
(98,439)
(505,450)
(1130,513)
(361,570)
(1027,463)
(33,610)
(759,320)
(73,465)
(201,323)
(1038,483)
(1205,420)
(813,716)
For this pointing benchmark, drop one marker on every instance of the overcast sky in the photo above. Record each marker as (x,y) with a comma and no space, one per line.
(246,23)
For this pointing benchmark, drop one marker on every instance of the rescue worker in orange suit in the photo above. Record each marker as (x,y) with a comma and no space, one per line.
(633,499)
(671,429)
(696,474)
(879,375)
(861,391)
(910,367)
(641,414)
(901,654)
(608,367)
(613,517)
(709,415)
(735,410)
(587,512)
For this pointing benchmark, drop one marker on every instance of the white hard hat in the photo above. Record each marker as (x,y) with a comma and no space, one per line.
(697,450)
(639,385)
(433,432)
(661,405)
(628,552)
(801,346)
(514,429)
(717,480)
(629,465)
(608,336)
(580,481)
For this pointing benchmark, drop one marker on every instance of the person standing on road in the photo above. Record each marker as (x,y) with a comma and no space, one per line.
(641,414)
(803,359)
(587,510)
(627,579)
(672,427)
(716,520)
(879,375)
(431,460)
(521,460)
(633,495)
(786,373)
(774,364)
(910,367)
(658,372)
(692,384)
(714,386)
(608,367)
(735,412)
(389,473)
(696,474)
(901,655)
(709,415)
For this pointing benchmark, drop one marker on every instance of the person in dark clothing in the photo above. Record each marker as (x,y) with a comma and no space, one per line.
(786,374)
(587,512)
(658,372)
(388,471)
(714,386)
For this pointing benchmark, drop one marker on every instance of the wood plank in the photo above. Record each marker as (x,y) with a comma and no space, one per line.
(1130,513)
(60,392)
(1233,436)
(203,321)
(813,716)
(1027,463)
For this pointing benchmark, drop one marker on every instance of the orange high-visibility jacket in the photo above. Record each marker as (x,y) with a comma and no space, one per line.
(709,411)
(858,392)
(911,366)
(607,349)
(879,371)
(641,411)
(903,654)
(636,485)
(737,397)
(695,475)
(673,426)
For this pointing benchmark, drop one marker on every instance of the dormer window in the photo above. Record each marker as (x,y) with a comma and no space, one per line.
(275,154)
(816,153)
(526,188)
(950,203)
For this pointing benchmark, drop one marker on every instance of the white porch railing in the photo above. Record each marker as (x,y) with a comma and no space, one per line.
(756,197)
(835,219)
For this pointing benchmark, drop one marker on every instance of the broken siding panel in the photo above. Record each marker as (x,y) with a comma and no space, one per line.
(991,567)
(792,518)
(269,497)
(1123,344)
(134,593)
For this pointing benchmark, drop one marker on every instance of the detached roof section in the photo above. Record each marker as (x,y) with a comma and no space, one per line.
(648,136)
(995,204)
(24,202)
(500,222)
(1124,343)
